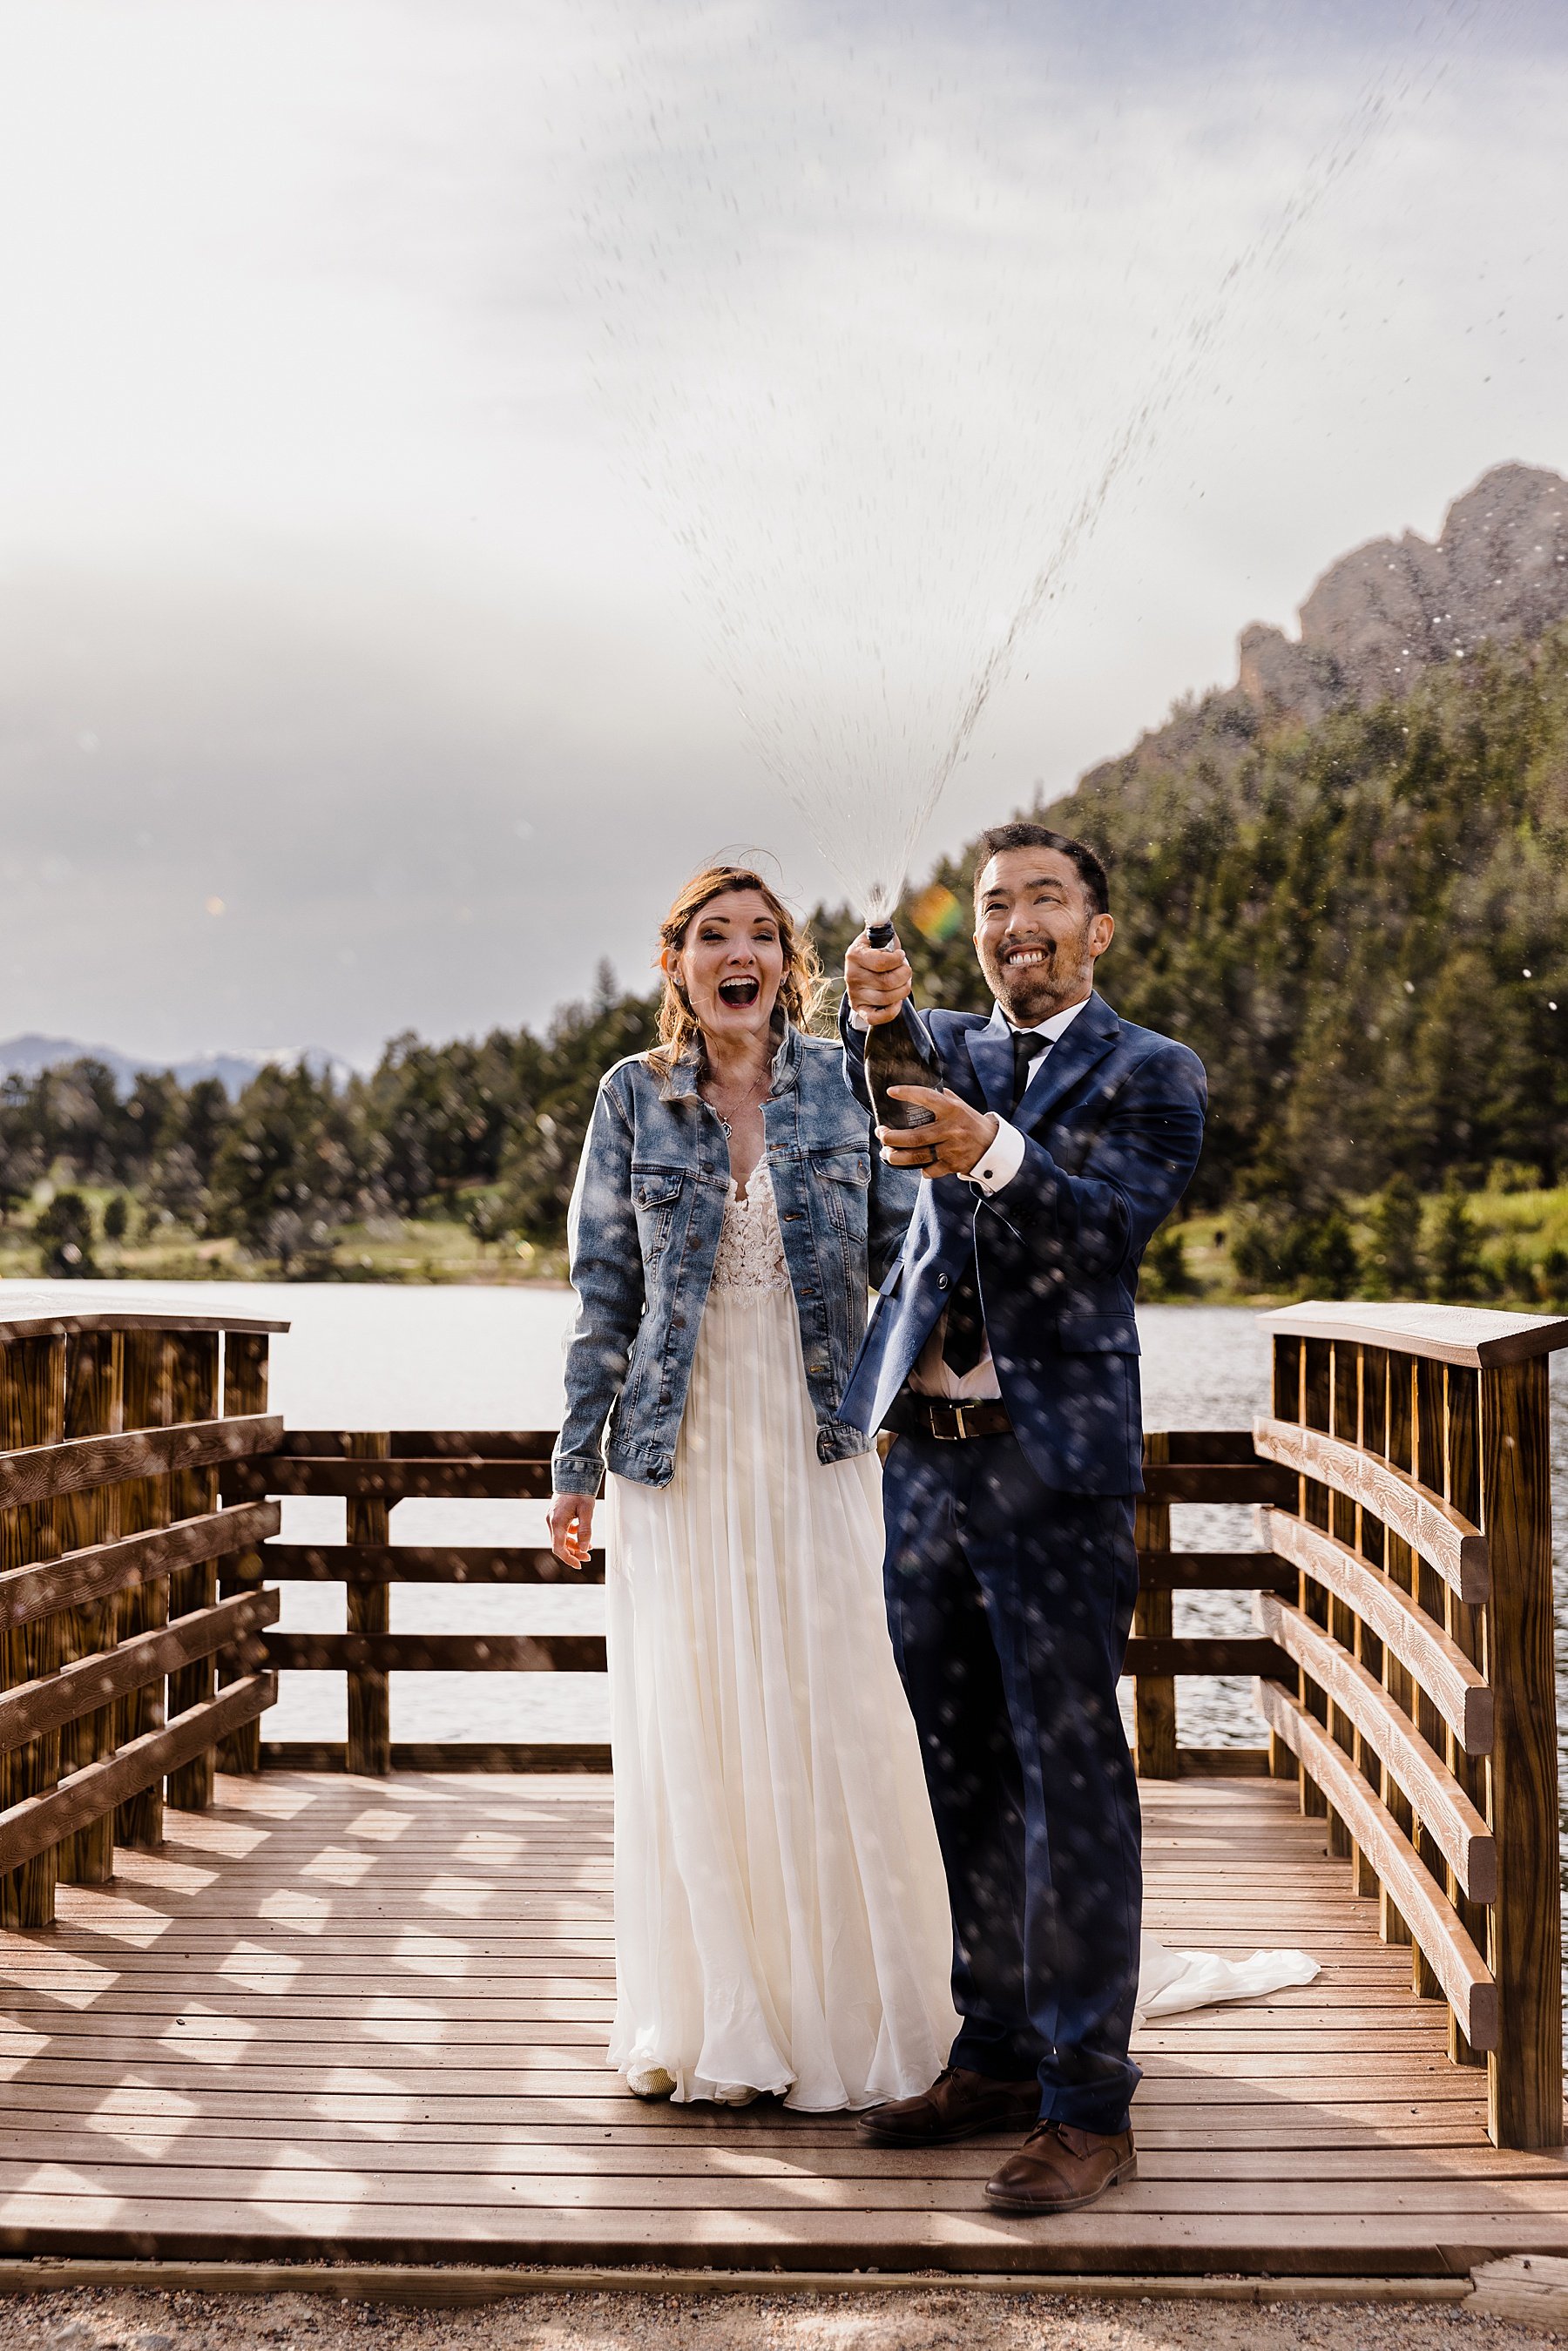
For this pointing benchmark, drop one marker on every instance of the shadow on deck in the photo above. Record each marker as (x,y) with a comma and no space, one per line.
(347,2019)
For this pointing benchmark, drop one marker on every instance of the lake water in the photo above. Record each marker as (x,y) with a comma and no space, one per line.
(468,1358)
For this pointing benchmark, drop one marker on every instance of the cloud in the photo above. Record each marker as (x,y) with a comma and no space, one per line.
(384,803)
(419,424)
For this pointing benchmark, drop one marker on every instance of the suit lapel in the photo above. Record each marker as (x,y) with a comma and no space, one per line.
(1072,1057)
(991,1052)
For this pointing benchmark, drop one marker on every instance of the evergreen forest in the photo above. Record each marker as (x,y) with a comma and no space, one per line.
(1360,925)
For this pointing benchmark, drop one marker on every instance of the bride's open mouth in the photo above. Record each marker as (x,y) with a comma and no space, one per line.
(738,993)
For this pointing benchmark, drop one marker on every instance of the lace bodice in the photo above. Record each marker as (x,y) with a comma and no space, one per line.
(751,1247)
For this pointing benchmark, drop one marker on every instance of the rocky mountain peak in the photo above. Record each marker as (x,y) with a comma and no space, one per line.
(1498,570)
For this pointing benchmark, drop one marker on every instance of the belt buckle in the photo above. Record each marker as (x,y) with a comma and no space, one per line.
(959,1429)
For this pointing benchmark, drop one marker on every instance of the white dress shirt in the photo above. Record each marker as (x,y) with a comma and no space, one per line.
(1000,1162)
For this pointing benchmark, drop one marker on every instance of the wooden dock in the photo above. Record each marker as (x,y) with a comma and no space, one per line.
(346,2019)
(265,2004)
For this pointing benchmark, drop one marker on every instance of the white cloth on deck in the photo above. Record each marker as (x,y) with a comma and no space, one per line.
(1170,1982)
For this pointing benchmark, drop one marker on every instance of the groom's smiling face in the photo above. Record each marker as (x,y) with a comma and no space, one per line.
(1037,933)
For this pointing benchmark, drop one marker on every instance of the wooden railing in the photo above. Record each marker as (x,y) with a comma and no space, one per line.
(1402,1647)
(1420,1714)
(374,1472)
(1203,1466)
(116,1432)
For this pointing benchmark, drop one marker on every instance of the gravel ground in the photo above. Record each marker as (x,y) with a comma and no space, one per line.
(106,2320)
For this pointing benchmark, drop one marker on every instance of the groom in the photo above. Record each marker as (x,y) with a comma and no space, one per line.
(1003,1354)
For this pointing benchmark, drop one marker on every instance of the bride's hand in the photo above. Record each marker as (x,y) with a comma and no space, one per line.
(572,1528)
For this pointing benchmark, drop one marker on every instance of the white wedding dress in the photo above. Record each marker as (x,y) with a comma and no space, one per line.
(781,1915)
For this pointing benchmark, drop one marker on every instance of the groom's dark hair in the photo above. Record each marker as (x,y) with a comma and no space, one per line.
(1020,834)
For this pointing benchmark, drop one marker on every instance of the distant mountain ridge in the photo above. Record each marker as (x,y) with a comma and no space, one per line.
(27,1056)
(1385,616)
(1344,879)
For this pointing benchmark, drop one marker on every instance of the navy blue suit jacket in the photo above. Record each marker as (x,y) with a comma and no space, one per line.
(1113,1123)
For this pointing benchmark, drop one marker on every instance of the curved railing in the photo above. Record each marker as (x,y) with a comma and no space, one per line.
(1419,1712)
(116,1432)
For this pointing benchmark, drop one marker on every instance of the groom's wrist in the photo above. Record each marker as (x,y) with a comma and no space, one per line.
(1000,1160)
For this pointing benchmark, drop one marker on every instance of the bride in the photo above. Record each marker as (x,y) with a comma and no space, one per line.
(781,1918)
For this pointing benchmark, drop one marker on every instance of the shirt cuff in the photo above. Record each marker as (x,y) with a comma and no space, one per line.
(1002,1160)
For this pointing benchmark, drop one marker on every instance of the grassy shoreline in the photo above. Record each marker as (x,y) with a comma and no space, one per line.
(394,1249)
(1518,1254)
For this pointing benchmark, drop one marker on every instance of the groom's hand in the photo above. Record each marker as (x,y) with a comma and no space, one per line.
(957,1138)
(876,980)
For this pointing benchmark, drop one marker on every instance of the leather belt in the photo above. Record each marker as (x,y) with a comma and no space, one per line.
(923,1416)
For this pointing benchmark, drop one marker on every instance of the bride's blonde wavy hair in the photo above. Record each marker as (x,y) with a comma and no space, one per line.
(800,991)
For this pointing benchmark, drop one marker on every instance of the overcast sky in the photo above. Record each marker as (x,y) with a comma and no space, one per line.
(459,456)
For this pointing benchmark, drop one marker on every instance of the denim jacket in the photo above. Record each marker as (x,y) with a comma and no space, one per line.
(643,1229)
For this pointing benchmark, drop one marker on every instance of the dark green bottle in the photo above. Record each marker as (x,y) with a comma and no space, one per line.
(900,1053)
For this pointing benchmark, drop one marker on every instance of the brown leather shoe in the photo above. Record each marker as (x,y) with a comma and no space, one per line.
(959,2104)
(1059,2168)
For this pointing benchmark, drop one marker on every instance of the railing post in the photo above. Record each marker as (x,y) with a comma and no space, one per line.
(368,1611)
(1461,1439)
(1430,1462)
(246,1361)
(1285,1385)
(1398,1447)
(95,1398)
(32,1412)
(193,1493)
(1346,1368)
(144,1502)
(1312,1411)
(1525,2072)
(1154,1616)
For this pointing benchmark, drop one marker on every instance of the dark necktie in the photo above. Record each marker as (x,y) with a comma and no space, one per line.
(964,1338)
(1026,1043)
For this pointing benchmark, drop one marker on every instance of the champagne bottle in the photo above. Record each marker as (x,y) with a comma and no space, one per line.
(899,1052)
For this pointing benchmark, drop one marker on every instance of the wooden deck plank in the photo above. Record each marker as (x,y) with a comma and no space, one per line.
(344,2016)
(807,2194)
(374,2095)
(1355,2246)
(881,2173)
(1337,2027)
(155,2133)
(1347,2032)
(421,2072)
(1345,2118)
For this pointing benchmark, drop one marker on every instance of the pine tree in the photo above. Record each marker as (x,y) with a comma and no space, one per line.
(1396,1239)
(1332,1257)
(1456,1250)
(64,1230)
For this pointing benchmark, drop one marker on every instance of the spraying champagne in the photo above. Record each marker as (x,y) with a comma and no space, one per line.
(899,1052)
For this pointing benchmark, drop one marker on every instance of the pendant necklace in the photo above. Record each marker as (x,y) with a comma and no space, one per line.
(756,1094)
